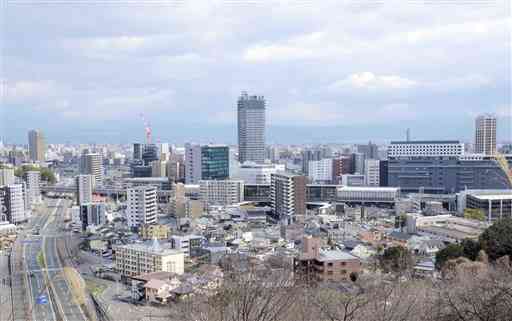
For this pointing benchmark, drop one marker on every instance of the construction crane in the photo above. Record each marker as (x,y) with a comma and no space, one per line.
(503,163)
(147,129)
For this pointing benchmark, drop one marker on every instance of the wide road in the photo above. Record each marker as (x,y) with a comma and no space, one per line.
(50,295)
(40,307)
(69,309)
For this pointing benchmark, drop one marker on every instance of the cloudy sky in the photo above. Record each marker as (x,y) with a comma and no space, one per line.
(331,71)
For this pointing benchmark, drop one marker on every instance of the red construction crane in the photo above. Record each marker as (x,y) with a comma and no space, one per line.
(147,129)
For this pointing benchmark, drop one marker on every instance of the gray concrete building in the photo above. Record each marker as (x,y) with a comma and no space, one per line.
(485,134)
(251,128)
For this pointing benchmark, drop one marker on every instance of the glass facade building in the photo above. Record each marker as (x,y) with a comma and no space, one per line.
(214,162)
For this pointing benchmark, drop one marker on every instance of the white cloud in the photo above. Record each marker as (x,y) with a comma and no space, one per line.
(27,90)
(369,80)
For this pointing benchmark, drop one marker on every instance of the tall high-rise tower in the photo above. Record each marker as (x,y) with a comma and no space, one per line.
(485,134)
(92,164)
(36,147)
(251,128)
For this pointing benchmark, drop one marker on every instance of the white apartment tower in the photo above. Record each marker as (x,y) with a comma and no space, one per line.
(372,172)
(36,146)
(485,134)
(193,168)
(321,170)
(33,181)
(251,128)
(14,203)
(141,205)
(84,188)
(92,164)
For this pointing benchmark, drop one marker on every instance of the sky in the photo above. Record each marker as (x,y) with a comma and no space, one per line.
(331,71)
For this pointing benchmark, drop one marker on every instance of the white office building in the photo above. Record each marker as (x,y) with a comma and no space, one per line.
(321,170)
(367,194)
(221,192)
(258,174)
(425,148)
(141,205)
(372,172)
(84,187)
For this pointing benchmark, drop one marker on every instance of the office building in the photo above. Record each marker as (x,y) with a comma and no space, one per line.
(207,162)
(138,149)
(383,173)
(495,204)
(33,187)
(446,174)
(288,196)
(84,188)
(309,155)
(92,214)
(141,205)
(150,153)
(6,176)
(251,128)
(136,259)
(358,162)
(485,134)
(158,168)
(321,170)
(367,195)
(258,174)
(14,203)
(341,165)
(441,148)
(92,164)
(372,172)
(370,151)
(221,192)
(36,146)
(352,180)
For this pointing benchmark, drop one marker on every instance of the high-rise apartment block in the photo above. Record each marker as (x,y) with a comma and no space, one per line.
(33,187)
(288,196)
(485,134)
(36,146)
(92,164)
(14,203)
(84,188)
(207,162)
(309,155)
(221,192)
(372,172)
(251,128)
(321,170)
(142,205)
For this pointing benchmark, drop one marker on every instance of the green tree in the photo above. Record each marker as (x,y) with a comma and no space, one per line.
(474,214)
(396,259)
(470,249)
(47,174)
(452,251)
(496,241)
